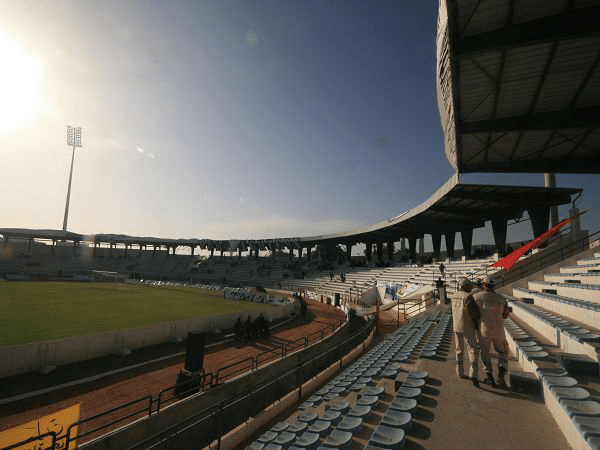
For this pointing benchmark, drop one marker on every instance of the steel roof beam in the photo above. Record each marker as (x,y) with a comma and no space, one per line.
(575,118)
(574,24)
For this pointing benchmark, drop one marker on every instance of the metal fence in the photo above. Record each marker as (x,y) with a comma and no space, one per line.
(94,426)
(210,424)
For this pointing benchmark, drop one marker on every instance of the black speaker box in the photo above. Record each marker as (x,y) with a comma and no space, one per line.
(194,352)
(186,384)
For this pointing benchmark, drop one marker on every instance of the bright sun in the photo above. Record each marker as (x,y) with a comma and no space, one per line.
(20,76)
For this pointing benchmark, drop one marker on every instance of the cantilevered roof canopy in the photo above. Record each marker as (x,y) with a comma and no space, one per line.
(519,85)
(455,207)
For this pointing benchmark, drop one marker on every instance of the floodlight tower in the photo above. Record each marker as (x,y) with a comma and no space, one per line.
(74,140)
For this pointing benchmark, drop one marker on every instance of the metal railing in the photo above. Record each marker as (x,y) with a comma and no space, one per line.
(546,258)
(145,410)
(210,424)
(120,414)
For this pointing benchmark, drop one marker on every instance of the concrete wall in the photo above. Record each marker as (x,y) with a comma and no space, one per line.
(38,355)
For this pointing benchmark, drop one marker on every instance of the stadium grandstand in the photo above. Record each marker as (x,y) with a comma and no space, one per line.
(371,363)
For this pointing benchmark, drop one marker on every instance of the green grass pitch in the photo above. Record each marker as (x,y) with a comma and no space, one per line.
(33,312)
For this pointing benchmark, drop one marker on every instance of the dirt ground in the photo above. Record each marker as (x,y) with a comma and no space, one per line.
(114,390)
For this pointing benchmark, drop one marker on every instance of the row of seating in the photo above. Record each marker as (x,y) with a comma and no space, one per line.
(341,419)
(555,331)
(575,401)
(432,348)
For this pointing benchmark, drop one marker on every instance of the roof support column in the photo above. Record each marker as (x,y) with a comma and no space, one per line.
(30,242)
(466,235)
(349,252)
(421,247)
(368,251)
(550,181)
(390,249)
(540,217)
(53,245)
(499,229)
(380,251)
(412,249)
(95,246)
(436,239)
(449,238)
(308,252)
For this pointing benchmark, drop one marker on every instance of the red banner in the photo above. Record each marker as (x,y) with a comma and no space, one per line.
(508,261)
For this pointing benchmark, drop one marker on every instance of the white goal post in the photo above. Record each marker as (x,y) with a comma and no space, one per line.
(104,276)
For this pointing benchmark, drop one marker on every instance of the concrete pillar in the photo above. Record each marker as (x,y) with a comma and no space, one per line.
(390,249)
(466,235)
(368,251)
(412,249)
(550,181)
(96,244)
(212,252)
(499,230)
(436,239)
(421,247)
(539,219)
(291,252)
(402,246)
(380,251)
(308,252)
(349,252)
(140,252)
(110,247)
(154,251)
(449,239)
(53,245)
(575,223)
(30,243)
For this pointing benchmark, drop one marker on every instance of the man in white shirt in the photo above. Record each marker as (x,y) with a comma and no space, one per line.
(493,309)
(464,329)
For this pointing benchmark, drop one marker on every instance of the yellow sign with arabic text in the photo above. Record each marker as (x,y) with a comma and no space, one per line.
(38,431)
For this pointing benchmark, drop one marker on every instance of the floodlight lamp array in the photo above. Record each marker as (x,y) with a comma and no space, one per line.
(73,136)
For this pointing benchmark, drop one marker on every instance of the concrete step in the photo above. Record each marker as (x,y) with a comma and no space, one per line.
(590,292)
(583,311)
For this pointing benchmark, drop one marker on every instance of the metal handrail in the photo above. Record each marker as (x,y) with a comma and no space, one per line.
(41,437)
(190,382)
(219,376)
(332,354)
(148,408)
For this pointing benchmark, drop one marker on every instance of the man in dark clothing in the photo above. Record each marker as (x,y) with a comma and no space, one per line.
(303,307)
(248,328)
(238,329)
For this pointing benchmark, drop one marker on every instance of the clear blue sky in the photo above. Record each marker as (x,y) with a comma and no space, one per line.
(223,119)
